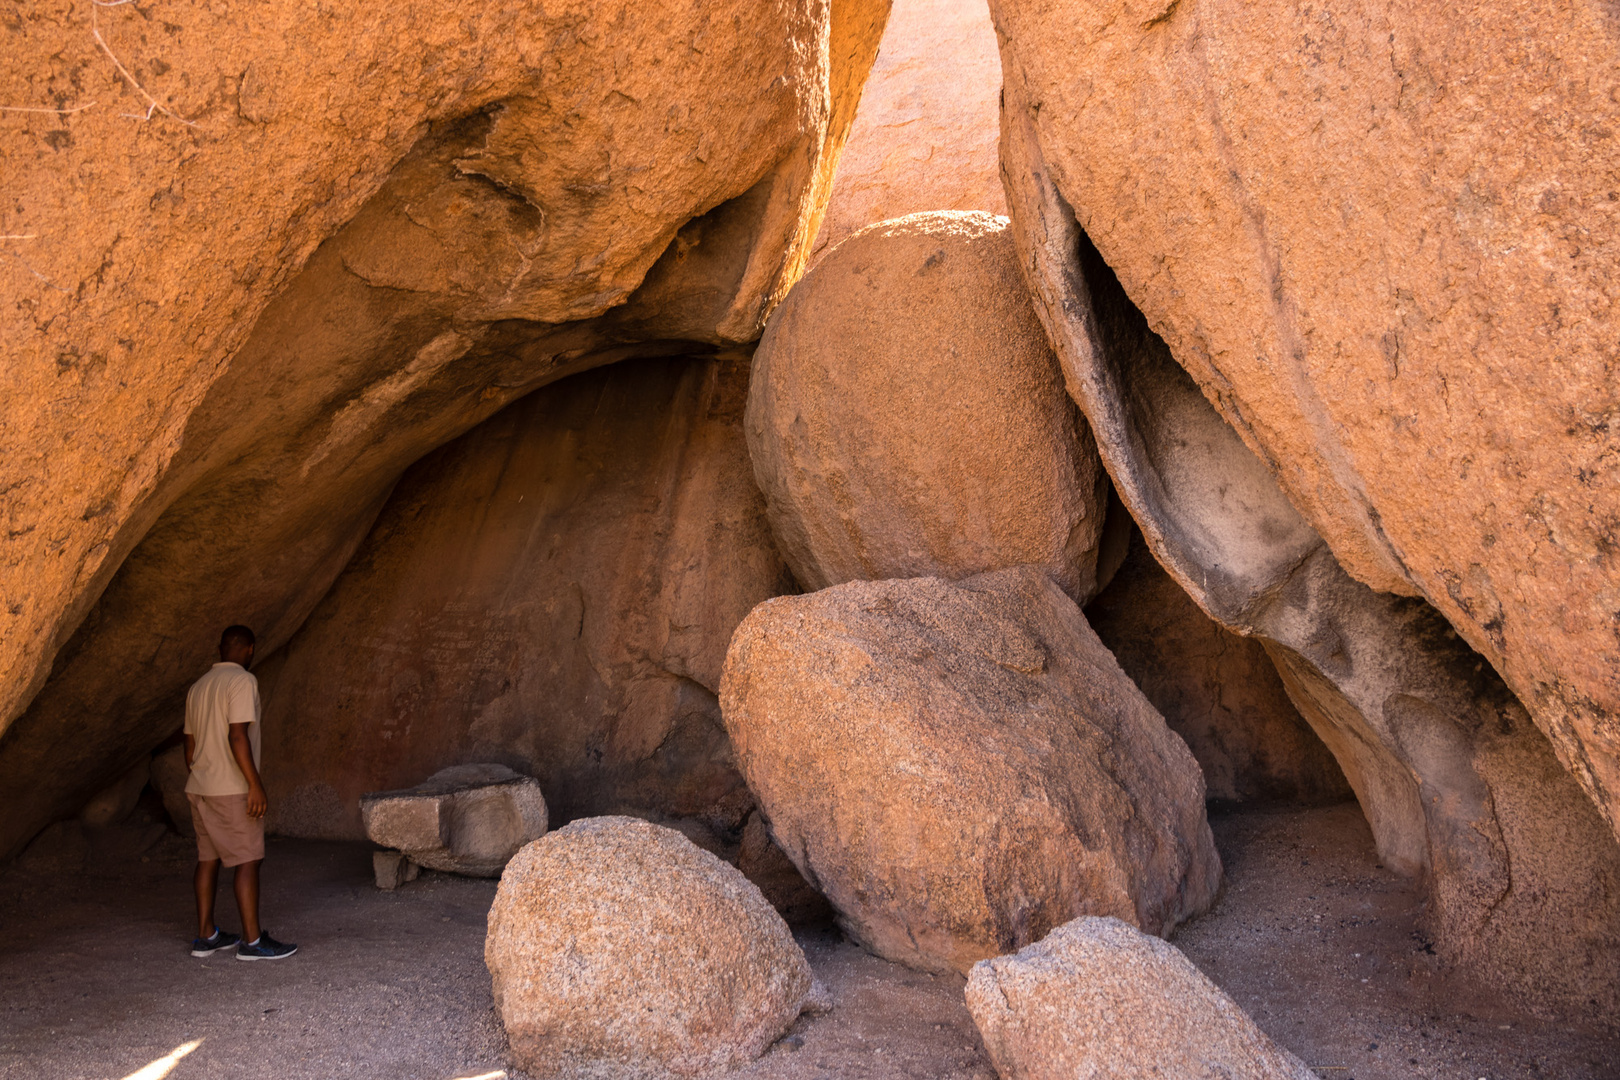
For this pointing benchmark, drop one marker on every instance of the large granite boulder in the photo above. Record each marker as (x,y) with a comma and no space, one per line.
(906,416)
(1458,783)
(961,767)
(467,819)
(1399,292)
(925,135)
(620,948)
(243,314)
(1096,998)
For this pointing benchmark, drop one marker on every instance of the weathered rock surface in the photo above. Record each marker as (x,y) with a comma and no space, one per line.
(553,591)
(327,252)
(466,819)
(906,416)
(618,947)
(1215,689)
(1096,998)
(924,137)
(1383,240)
(169,776)
(961,767)
(1456,781)
(116,801)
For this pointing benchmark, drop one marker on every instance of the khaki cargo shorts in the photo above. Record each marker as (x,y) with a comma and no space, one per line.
(224,830)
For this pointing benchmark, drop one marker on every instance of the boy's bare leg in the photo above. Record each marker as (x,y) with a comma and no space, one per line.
(206,880)
(247,898)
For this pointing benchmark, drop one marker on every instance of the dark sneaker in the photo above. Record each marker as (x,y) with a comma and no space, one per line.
(266,948)
(211,945)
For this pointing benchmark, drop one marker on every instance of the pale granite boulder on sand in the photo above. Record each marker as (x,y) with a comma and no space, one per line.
(1097,1000)
(619,948)
(960,767)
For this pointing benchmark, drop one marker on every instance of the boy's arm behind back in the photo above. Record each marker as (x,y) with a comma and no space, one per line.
(244,711)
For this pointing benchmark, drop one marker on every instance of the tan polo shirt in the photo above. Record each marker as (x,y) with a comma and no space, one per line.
(228,694)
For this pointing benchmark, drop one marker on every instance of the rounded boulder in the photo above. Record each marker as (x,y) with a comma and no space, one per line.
(906,417)
(959,767)
(620,947)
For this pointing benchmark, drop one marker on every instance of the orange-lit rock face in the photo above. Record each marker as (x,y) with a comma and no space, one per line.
(1383,239)
(1455,779)
(1217,690)
(554,590)
(227,340)
(925,135)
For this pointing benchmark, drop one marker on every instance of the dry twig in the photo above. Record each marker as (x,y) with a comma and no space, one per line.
(35,109)
(152,103)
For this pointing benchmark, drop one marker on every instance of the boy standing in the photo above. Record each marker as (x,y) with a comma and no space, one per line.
(227,798)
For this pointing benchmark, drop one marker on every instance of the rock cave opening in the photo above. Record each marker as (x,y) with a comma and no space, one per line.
(805,539)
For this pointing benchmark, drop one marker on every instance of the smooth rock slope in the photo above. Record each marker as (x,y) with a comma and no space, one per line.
(961,767)
(554,591)
(924,137)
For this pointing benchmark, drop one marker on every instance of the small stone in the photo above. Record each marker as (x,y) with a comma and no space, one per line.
(388,868)
(819,1001)
(115,802)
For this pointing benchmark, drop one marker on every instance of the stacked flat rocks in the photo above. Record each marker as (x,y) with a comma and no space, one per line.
(620,948)
(1097,998)
(961,767)
(467,819)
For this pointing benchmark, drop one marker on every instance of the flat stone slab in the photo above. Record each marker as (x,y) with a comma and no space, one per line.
(467,819)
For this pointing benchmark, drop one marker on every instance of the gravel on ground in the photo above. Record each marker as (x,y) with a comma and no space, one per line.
(1311,936)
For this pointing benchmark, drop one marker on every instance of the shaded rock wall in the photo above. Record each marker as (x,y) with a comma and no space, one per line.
(1217,690)
(1456,781)
(924,137)
(231,334)
(1382,238)
(554,590)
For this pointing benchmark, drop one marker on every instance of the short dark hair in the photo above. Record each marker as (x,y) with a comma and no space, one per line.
(235,636)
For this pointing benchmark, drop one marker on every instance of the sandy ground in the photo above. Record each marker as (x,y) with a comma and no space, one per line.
(96,982)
